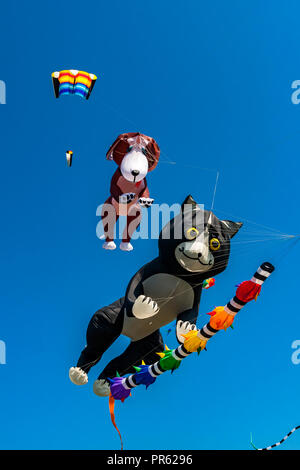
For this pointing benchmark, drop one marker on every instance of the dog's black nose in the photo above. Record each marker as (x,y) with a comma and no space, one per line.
(135,172)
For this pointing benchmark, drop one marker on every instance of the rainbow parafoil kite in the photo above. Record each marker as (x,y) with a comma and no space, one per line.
(73,82)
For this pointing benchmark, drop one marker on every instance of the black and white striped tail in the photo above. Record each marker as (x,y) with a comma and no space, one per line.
(129,382)
(234,305)
(280,442)
(207,332)
(180,353)
(263,273)
(155,370)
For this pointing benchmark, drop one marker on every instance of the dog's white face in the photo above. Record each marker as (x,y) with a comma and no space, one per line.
(134,166)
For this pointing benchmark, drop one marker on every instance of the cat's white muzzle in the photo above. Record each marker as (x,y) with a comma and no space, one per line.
(195,255)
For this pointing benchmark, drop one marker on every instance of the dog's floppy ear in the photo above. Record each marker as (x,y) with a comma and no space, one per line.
(120,147)
(152,153)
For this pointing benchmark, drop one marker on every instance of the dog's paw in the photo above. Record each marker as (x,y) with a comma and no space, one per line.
(182,328)
(109,246)
(78,376)
(146,201)
(126,198)
(126,246)
(144,307)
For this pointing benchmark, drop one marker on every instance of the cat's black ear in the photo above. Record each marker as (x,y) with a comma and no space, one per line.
(188,200)
(231,227)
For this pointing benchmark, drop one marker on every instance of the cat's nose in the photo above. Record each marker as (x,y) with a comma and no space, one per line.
(199,255)
(135,172)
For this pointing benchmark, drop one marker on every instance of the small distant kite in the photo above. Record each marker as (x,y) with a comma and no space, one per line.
(208,283)
(69,157)
(73,82)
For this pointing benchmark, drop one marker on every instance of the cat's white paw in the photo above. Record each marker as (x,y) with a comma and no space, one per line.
(126,246)
(78,376)
(101,388)
(182,328)
(109,245)
(144,307)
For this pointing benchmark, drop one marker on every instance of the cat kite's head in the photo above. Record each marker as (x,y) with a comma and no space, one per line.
(196,243)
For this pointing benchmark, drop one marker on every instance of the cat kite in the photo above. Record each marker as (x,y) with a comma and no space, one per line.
(73,82)
(135,154)
(167,288)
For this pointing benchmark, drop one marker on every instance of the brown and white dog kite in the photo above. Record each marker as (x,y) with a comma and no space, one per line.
(135,154)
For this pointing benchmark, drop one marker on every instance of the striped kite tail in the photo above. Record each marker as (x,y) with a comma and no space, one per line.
(277,443)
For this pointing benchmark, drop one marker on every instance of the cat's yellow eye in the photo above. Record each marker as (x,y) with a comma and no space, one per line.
(192,233)
(214,244)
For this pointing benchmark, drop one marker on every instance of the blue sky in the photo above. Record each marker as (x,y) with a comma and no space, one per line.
(211,82)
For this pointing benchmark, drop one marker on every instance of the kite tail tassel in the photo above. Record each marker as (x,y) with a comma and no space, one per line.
(251,442)
(111,404)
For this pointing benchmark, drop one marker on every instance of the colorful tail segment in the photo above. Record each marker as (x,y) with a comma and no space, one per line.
(277,443)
